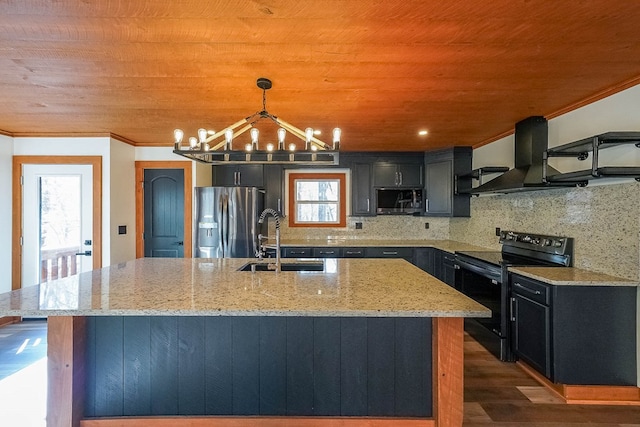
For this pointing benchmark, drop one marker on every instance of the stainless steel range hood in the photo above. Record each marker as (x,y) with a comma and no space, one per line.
(531,141)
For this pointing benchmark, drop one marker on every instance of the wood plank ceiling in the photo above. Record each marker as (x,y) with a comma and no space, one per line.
(465,70)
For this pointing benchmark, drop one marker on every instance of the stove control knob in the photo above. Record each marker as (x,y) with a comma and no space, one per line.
(536,241)
(546,242)
(526,239)
(557,243)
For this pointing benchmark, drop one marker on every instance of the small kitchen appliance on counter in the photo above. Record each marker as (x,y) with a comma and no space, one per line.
(483,276)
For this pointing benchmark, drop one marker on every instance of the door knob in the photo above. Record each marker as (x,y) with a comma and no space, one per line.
(180,243)
(85,253)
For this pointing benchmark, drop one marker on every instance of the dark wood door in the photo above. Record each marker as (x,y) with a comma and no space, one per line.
(164,213)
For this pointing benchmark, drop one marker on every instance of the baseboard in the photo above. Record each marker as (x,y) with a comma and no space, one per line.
(587,394)
(7,320)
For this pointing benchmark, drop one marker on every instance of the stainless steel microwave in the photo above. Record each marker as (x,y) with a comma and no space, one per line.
(398,201)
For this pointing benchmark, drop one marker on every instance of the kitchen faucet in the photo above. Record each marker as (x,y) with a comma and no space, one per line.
(263,215)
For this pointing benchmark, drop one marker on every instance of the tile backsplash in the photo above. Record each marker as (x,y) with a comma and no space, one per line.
(604,221)
(387,227)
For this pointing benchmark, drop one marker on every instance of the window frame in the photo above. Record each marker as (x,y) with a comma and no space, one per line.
(341,177)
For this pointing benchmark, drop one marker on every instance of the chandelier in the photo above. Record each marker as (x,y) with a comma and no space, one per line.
(222,147)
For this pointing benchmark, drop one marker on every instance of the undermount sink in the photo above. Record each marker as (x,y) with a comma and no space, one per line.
(285,266)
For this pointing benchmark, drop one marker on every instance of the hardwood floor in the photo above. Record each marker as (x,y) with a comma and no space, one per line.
(496,393)
(501,394)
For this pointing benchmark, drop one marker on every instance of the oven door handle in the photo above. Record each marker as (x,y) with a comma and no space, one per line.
(495,278)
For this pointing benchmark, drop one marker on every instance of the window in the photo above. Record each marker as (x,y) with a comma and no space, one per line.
(317,200)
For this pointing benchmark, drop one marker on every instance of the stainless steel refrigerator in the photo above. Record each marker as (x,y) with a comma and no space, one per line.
(226,221)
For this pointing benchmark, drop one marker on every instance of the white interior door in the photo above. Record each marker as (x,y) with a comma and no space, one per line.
(57,221)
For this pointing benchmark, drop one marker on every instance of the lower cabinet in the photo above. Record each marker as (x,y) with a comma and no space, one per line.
(580,335)
(531,319)
(389,252)
(436,262)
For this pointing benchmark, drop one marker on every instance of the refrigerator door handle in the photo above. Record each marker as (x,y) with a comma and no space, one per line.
(224,232)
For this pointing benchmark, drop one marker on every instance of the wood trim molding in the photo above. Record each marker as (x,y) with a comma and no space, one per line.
(7,320)
(587,394)
(343,197)
(254,422)
(186,166)
(16,225)
(448,371)
(66,370)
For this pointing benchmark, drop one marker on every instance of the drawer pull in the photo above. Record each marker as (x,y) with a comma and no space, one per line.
(353,252)
(389,252)
(519,286)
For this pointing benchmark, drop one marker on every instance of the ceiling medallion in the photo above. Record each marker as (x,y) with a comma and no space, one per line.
(218,147)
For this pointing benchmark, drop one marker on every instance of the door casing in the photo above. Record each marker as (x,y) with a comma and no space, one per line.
(188,201)
(16,220)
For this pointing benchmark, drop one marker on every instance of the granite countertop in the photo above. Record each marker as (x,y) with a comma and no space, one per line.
(569,276)
(200,286)
(445,245)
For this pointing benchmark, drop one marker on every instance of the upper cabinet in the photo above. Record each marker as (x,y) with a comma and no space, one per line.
(246,175)
(274,188)
(445,182)
(399,172)
(362,202)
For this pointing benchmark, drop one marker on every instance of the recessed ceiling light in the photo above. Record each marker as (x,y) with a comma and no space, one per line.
(423,132)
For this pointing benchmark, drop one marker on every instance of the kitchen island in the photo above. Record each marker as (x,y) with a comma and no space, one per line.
(197,342)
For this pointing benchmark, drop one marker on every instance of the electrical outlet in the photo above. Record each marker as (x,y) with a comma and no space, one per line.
(498,231)
(358,226)
(426,225)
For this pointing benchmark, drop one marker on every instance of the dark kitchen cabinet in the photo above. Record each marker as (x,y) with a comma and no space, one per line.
(327,252)
(389,252)
(362,202)
(273,185)
(397,173)
(531,324)
(445,184)
(580,335)
(423,258)
(297,252)
(246,175)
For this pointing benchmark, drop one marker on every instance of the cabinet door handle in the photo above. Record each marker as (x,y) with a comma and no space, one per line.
(279,205)
(239,178)
(400,175)
(353,252)
(389,252)
(524,288)
(511,309)
(368,205)
(455,185)
(426,205)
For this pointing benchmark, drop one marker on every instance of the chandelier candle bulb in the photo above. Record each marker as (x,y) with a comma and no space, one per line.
(228,139)
(193,142)
(308,133)
(282,132)
(178,134)
(254,138)
(202,135)
(336,138)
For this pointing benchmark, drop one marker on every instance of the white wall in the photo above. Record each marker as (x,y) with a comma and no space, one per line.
(6,152)
(200,173)
(123,202)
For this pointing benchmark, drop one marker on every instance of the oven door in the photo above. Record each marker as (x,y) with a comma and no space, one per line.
(484,283)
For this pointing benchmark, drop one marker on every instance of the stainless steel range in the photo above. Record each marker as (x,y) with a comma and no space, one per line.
(483,276)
